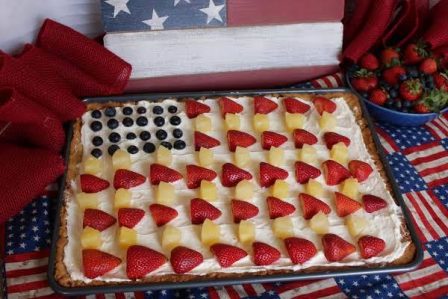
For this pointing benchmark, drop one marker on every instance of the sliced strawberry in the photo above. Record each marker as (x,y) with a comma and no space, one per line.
(302,137)
(370,246)
(331,138)
(92,184)
(264,105)
(373,203)
(97,219)
(201,210)
(227,255)
(300,250)
(142,260)
(305,172)
(334,172)
(237,138)
(243,210)
(360,170)
(97,263)
(126,179)
(279,208)
(130,217)
(345,205)
(232,175)
(295,106)
(193,108)
(227,105)
(205,141)
(195,174)
(311,206)
(160,173)
(269,139)
(269,174)
(162,214)
(264,254)
(323,104)
(184,259)
(335,248)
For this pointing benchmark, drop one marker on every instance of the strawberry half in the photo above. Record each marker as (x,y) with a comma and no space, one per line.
(92,184)
(195,174)
(331,138)
(232,175)
(302,137)
(345,205)
(279,208)
(97,219)
(141,260)
(237,138)
(370,246)
(295,106)
(269,174)
(227,255)
(323,104)
(201,210)
(126,179)
(373,203)
(305,172)
(335,248)
(264,254)
(334,172)
(193,108)
(205,141)
(360,170)
(311,206)
(130,217)
(264,105)
(269,139)
(160,173)
(162,214)
(300,250)
(184,259)
(243,210)
(97,263)
(227,105)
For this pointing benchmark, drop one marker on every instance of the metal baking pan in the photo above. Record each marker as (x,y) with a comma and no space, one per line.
(248,278)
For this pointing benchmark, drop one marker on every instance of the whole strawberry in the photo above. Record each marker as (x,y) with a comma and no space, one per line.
(428,66)
(421,107)
(441,81)
(411,90)
(369,62)
(392,75)
(364,81)
(414,53)
(389,56)
(378,96)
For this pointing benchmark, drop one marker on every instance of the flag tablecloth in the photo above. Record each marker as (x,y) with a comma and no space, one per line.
(419,160)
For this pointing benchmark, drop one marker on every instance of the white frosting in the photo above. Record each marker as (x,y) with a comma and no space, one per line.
(385,224)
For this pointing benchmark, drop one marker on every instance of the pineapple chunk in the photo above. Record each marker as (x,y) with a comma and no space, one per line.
(283,227)
(308,154)
(92,165)
(203,123)
(209,233)
(339,153)
(232,121)
(205,156)
(163,156)
(90,238)
(280,189)
(294,120)
(246,232)
(276,156)
(87,200)
(314,188)
(261,122)
(165,194)
(121,160)
(319,223)
(327,121)
(349,187)
(242,156)
(208,191)
(355,224)
(171,237)
(127,237)
(122,198)
(244,190)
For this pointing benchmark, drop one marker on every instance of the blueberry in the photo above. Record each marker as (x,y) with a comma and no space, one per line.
(403,77)
(112,149)
(384,85)
(179,144)
(177,133)
(405,109)
(166,144)
(96,152)
(114,137)
(172,109)
(407,104)
(132,149)
(110,111)
(393,93)
(175,120)
(112,123)
(389,103)
(149,148)
(398,105)
(142,121)
(128,122)
(97,141)
(96,126)
(131,136)
(127,110)
(157,110)
(141,110)
(413,73)
(145,135)
(161,134)
(96,114)
(159,121)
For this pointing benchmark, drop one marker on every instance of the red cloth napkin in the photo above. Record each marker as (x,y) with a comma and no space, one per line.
(437,33)
(353,24)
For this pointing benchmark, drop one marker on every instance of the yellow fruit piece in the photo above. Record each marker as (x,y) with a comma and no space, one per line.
(244,190)
(350,187)
(90,238)
(242,156)
(205,156)
(232,121)
(261,122)
(314,188)
(121,160)
(165,193)
(355,224)
(92,165)
(280,189)
(171,237)
(283,227)
(208,191)
(308,154)
(339,153)
(87,200)
(127,237)
(276,156)
(209,233)
(164,156)
(327,121)
(203,123)
(122,198)
(294,121)
(246,232)
(319,223)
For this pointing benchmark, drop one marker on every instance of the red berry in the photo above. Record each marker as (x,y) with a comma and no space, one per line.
(369,62)
(378,96)
(184,259)
(428,66)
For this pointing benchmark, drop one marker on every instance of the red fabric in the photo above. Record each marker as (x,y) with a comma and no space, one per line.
(354,23)
(437,33)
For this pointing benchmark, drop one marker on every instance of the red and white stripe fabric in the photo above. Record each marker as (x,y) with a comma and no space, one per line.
(330,81)
(326,288)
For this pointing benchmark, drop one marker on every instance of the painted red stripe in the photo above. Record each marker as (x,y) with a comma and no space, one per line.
(415,283)
(436,293)
(429,158)
(267,286)
(20,257)
(438,182)
(428,262)
(294,285)
(423,219)
(321,293)
(422,147)
(388,139)
(433,170)
(232,293)
(34,285)
(212,293)
(24,272)
(433,214)
(249,290)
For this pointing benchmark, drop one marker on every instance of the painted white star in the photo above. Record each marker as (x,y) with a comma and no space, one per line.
(119,5)
(156,22)
(212,11)
(177,2)
(22,245)
(10,251)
